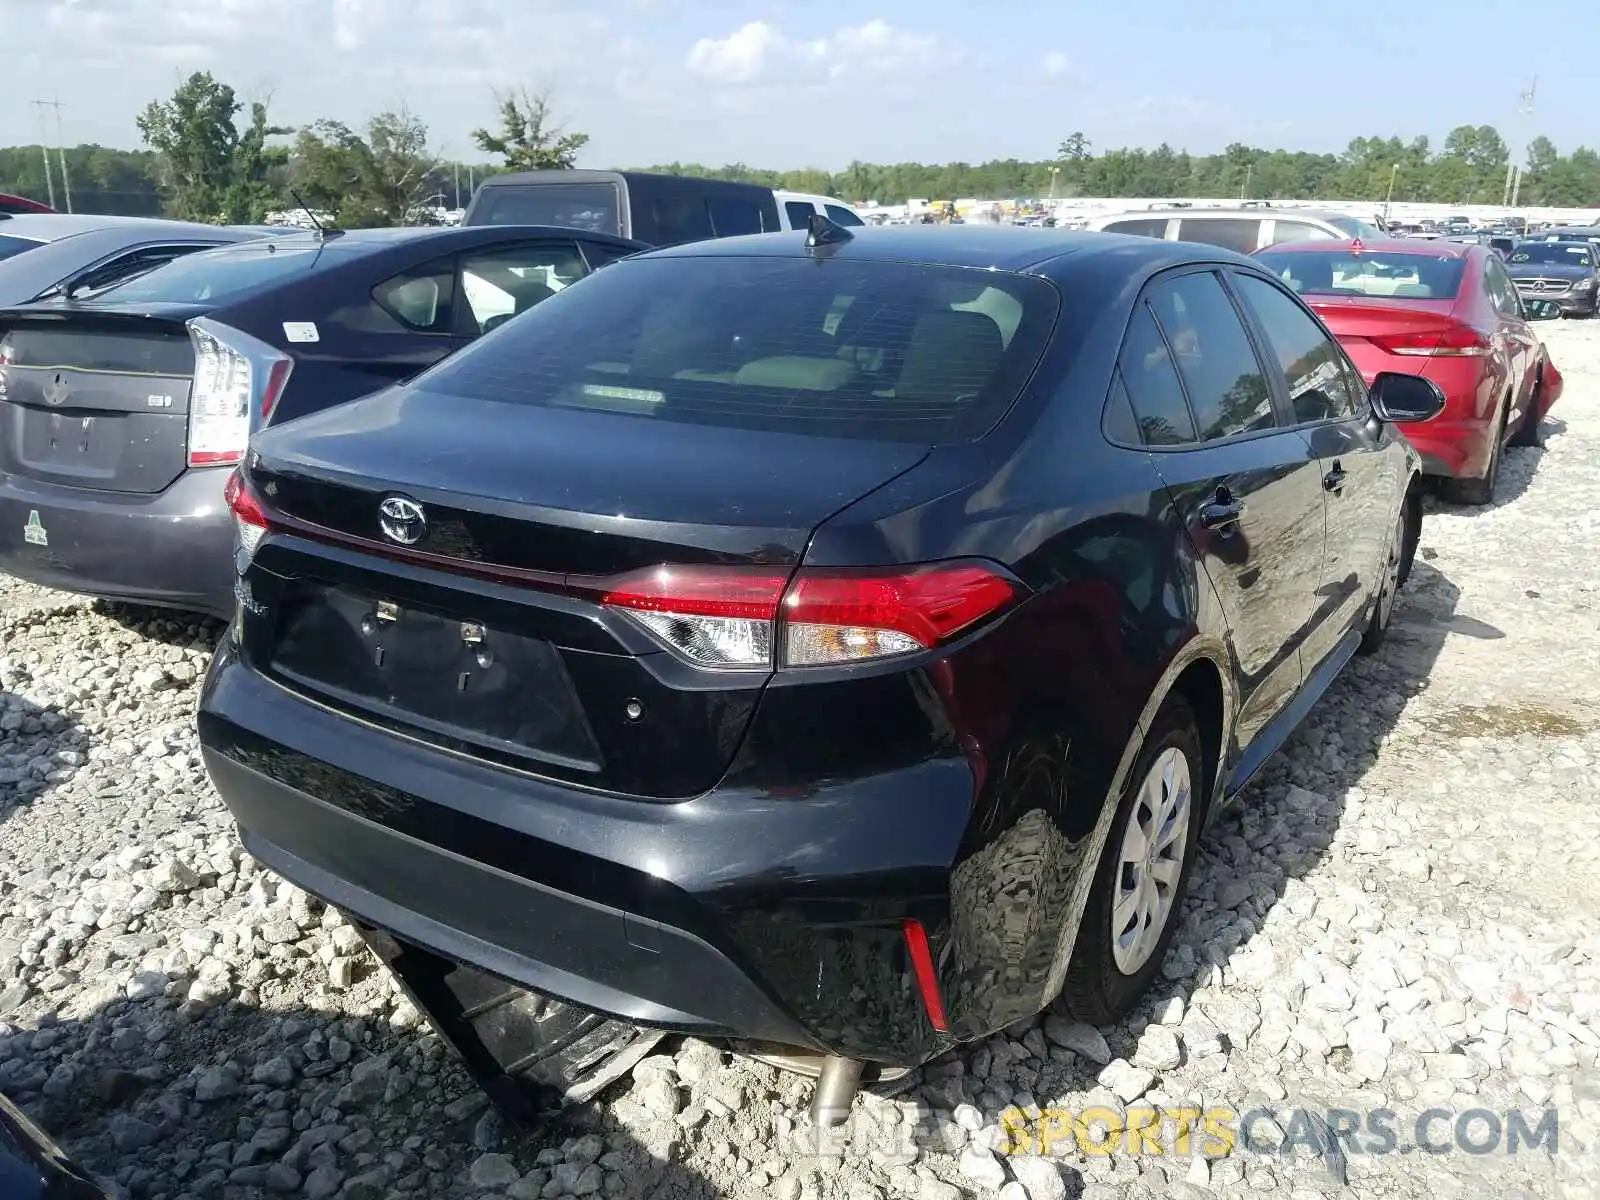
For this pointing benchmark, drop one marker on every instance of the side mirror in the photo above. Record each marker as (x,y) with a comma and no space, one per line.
(1405,399)
(1541,310)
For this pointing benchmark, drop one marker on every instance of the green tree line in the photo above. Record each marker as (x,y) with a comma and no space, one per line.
(1469,168)
(207,155)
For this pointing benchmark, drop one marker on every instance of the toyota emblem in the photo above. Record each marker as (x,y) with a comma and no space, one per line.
(402,520)
(56,391)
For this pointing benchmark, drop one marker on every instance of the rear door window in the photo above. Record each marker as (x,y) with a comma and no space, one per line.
(1221,374)
(502,281)
(1155,227)
(731,218)
(681,219)
(841,216)
(1242,234)
(420,299)
(872,350)
(1151,380)
(1313,367)
(799,213)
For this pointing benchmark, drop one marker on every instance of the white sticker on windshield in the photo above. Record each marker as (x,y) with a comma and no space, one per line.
(301,331)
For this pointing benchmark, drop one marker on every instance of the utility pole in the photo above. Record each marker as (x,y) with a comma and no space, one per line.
(44,149)
(1388,200)
(1524,112)
(61,152)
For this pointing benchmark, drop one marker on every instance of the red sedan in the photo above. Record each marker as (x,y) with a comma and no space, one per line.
(1447,311)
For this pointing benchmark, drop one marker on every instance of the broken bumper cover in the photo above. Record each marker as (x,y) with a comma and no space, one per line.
(686,917)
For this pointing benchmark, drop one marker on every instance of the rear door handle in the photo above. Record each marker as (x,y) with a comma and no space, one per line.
(1334,479)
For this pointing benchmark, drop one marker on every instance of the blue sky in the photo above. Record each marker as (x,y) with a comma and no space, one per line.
(821,83)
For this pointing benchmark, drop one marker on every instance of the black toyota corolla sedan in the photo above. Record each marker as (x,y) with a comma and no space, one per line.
(824,641)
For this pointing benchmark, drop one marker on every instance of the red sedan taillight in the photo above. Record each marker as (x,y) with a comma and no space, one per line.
(1451,341)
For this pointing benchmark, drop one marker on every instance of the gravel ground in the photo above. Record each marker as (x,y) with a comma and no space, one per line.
(1401,916)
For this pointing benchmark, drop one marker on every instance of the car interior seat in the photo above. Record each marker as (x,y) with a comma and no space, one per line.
(950,354)
(528,293)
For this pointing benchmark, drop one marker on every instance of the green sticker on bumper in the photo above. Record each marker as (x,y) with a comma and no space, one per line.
(33,532)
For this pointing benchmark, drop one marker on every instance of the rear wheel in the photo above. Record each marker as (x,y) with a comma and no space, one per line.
(1481,490)
(1528,432)
(1396,566)
(1129,920)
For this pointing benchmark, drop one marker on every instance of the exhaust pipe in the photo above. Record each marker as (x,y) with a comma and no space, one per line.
(837,1084)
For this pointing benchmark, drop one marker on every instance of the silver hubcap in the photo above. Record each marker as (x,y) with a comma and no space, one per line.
(1151,861)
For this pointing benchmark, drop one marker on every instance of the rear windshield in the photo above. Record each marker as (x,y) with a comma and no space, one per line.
(10,246)
(1570,253)
(1341,273)
(871,350)
(591,206)
(215,274)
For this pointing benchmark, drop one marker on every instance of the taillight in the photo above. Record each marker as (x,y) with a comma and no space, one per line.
(1460,341)
(236,379)
(249,518)
(757,618)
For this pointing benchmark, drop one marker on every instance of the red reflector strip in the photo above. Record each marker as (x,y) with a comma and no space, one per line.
(922,968)
(700,591)
(214,458)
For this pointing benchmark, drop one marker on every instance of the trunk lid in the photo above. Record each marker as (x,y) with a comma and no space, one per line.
(96,400)
(485,634)
(1358,322)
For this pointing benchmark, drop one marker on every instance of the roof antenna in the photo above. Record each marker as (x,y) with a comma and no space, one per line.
(323,231)
(822,232)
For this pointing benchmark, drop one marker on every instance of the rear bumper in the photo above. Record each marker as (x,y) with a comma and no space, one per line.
(1451,449)
(733,914)
(172,548)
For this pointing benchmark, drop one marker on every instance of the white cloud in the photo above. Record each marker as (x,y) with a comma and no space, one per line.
(742,57)
(760,53)
(1056,64)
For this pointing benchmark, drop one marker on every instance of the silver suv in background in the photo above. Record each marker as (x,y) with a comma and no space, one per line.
(1243,229)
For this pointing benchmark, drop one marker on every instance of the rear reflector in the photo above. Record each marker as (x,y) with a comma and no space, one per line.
(1458,341)
(922,970)
(757,617)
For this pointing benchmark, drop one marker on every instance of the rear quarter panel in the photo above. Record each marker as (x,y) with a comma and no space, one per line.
(1047,709)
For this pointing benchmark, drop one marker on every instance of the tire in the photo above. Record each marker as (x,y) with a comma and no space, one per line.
(1528,432)
(1481,490)
(533,1055)
(1103,983)
(1396,567)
